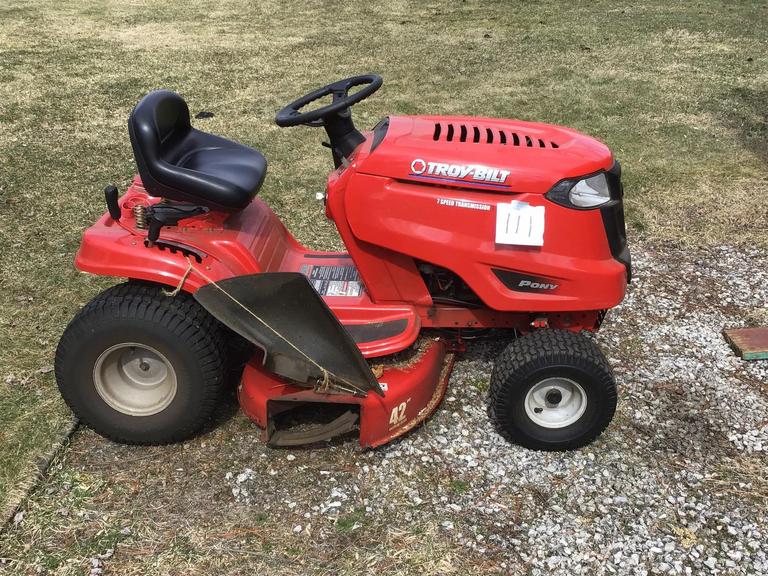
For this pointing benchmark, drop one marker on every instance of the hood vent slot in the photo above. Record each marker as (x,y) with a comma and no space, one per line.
(479,135)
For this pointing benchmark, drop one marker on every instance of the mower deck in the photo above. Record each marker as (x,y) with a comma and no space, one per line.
(414,386)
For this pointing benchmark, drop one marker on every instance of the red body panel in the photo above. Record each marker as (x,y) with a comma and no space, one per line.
(533,168)
(390,214)
(412,196)
(248,242)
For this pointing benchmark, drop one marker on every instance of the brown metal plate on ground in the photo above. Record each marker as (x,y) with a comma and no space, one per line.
(749,343)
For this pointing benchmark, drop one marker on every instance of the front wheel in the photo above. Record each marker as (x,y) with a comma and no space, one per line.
(140,367)
(552,390)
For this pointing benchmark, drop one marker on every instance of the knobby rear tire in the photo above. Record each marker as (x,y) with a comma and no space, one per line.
(177,327)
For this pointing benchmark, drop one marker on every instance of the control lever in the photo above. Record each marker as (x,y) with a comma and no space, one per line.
(159,215)
(110,195)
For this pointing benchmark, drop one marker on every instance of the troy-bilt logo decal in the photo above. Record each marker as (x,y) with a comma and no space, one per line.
(462,172)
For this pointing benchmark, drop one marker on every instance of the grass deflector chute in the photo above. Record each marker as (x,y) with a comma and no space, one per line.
(302,340)
(454,228)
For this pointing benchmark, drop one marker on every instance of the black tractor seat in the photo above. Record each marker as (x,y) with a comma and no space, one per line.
(180,163)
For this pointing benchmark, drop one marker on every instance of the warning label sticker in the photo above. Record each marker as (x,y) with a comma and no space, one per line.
(334,280)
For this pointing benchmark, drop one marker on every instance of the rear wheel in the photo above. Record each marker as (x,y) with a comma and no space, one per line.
(140,367)
(552,390)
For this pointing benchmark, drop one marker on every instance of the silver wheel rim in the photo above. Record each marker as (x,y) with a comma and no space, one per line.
(555,402)
(135,379)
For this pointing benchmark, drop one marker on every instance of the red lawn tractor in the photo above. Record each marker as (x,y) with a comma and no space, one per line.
(455,228)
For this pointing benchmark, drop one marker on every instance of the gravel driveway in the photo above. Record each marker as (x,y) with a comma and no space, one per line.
(677,485)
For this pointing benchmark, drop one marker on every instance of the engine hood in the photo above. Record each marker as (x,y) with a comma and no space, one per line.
(487,154)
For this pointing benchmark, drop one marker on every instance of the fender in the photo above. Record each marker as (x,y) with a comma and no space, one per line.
(108,249)
(249,242)
(218,246)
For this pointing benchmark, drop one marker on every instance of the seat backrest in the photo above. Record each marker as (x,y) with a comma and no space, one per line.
(158,122)
(180,163)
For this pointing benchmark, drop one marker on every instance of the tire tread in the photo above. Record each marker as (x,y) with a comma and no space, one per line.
(538,350)
(181,315)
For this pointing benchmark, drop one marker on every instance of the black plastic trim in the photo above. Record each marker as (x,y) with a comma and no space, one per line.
(612,214)
(525,282)
(363,333)
(324,255)
(379,132)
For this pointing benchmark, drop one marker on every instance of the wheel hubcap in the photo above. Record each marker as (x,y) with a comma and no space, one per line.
(555,402)
(135,379)
(554,396)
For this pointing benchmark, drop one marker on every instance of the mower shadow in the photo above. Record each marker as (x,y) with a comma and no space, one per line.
(239,351)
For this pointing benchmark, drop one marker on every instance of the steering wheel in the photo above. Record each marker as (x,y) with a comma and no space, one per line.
(291,115)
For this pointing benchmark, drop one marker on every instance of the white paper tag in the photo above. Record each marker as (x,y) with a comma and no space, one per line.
(520,224)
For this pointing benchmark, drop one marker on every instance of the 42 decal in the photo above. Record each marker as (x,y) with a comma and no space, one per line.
(398,414)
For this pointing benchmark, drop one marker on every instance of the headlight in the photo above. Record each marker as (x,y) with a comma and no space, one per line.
(586,193)
(590,192)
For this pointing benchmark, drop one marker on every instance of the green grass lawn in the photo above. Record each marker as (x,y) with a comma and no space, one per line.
(677,89)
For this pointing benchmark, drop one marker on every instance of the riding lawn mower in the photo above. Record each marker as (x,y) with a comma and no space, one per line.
(455,228)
